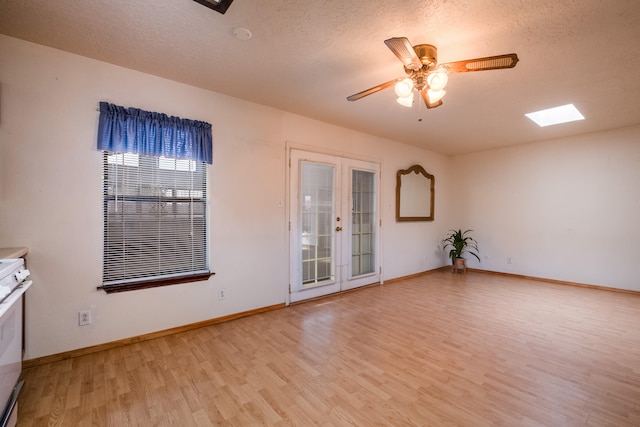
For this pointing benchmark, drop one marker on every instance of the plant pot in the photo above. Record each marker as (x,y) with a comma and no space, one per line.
(459,264)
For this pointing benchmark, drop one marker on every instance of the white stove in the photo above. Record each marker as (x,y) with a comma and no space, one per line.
(13,284)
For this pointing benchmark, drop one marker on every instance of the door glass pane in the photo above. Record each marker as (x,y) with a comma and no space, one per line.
(363,223)
(317,212)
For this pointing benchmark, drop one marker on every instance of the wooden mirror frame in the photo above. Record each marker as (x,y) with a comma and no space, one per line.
(419,170)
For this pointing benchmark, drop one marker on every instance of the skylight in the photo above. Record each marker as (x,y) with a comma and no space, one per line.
(556,115)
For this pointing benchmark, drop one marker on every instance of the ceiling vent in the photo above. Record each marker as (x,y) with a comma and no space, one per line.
(217,5)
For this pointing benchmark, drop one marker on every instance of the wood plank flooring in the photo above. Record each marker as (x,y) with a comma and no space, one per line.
(436,350)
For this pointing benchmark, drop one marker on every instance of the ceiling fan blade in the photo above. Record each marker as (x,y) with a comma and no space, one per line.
(427,102)
(402,48)
(374,89)
(482,64)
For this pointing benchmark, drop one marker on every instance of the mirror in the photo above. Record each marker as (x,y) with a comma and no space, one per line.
(414,194)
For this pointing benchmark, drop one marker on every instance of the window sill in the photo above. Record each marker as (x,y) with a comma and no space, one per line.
(124,287)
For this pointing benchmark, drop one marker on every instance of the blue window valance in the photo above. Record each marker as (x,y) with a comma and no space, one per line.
(131,130)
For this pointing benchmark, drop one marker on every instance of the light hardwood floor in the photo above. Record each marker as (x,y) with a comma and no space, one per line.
(440,349)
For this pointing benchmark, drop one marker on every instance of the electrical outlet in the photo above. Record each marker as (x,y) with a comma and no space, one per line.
(508,260)
(84,318)
(222,294)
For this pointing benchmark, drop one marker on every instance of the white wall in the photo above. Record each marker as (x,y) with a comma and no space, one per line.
(51,200)
(566,209)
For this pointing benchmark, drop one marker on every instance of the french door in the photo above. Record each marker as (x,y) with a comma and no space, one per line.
(334,224)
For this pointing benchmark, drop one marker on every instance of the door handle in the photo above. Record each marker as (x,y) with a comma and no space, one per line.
(338,228)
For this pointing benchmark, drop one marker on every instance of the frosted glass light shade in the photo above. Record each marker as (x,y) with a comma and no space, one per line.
(406,101)
(437,81)
(404,88)
(435,95)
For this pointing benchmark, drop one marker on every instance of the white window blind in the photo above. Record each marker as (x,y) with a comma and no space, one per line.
(155,225)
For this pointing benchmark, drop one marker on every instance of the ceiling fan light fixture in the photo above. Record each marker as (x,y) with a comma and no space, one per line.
(406,101)
(437,80)
(426,76)
(404,88)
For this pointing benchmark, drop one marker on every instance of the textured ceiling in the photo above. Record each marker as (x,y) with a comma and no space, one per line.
(307,56)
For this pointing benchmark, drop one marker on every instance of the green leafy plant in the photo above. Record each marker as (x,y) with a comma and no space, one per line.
(459,242)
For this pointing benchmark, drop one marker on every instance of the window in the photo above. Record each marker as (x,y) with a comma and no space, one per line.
(154,198)
(155,222)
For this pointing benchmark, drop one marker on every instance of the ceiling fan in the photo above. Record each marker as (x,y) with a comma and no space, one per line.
(426,76)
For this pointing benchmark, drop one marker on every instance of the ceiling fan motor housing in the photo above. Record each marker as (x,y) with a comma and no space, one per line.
(428,54)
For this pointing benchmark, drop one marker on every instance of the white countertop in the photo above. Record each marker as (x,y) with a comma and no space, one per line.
(13,252)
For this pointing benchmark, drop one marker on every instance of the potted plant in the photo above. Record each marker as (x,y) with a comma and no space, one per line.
(460,242)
